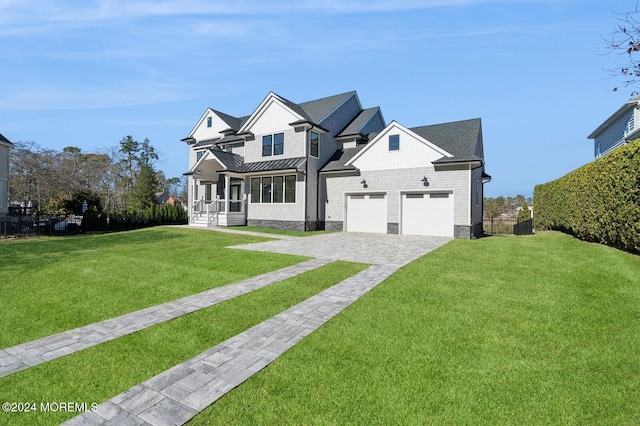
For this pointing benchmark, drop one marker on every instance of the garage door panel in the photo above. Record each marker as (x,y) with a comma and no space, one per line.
(427,214)
(367,213)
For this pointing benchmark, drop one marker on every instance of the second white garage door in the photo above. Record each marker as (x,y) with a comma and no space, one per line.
(367,213)
(427,214)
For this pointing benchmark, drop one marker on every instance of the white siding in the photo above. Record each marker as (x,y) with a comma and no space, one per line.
(275,117)
(277,211)
(202,132)
(393,182)
(412,152)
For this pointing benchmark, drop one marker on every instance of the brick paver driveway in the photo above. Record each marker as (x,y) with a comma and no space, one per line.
(381,249)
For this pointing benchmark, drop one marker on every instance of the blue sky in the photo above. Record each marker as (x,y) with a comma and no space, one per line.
(86,73)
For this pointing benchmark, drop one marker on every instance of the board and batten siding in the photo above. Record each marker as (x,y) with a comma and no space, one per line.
(202,132)
(614,135)
(395,181)
(412,152)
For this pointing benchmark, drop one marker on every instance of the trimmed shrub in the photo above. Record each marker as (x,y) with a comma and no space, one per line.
(599,202)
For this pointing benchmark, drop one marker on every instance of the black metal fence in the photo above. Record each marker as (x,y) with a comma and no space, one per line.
(23,225)
(33,225)
(523,228)
(505,225)
(501,225)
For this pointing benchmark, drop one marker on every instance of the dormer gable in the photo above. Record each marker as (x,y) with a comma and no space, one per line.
(397,147)
(212,125)
(274,113)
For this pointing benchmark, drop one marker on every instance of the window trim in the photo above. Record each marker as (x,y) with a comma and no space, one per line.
(288,194)
(272,144)
(312,144)
(209,121)
(396,145)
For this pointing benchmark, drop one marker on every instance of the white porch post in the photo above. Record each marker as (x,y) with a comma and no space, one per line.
(227,192)
(192,201)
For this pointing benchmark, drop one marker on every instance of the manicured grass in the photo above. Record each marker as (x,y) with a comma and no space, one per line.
(501,330)
(101,372)
(279,231)
(50,285)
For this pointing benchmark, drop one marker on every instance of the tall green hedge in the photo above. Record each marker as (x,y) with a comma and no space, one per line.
(598,202)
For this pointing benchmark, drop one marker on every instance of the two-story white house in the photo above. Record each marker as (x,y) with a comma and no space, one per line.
(332,164)
(5,146)
(620,128)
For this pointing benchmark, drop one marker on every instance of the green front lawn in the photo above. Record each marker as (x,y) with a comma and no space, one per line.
(101,372)
(501,330)
(50,285)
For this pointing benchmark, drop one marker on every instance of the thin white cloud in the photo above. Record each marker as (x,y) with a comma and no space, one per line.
(18,12)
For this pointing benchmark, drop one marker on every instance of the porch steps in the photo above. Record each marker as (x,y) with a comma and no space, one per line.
(201,221)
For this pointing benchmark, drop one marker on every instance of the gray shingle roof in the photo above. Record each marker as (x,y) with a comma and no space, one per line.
(355,126)
(318,109)
(235,163)
(5,140)
(460,138)
(234,122)
(339,158)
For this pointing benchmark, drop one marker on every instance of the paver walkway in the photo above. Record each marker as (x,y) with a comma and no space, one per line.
(29,354)
(180,393)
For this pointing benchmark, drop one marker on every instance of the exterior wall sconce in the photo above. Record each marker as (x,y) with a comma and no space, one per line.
(425,182)
(364,183)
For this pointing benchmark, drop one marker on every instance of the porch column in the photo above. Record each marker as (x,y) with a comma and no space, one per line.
(227,192)
(192,201)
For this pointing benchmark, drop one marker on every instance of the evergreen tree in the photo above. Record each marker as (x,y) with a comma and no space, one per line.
(143,193)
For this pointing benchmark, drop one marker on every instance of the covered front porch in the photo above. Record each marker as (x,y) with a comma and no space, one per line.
(217,196)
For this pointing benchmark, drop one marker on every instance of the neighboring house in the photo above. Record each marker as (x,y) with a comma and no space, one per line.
(162,197)
(332,164)
(617,130)
(5,146)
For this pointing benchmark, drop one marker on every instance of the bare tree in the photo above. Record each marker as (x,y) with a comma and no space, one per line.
(625,40)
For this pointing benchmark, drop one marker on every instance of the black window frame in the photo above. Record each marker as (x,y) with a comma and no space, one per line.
(313,144)
(278,189)
(394,142)
(266,187)
(273,144)
(255,190)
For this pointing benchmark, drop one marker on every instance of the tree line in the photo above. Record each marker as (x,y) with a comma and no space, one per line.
(120,178)
(508,206)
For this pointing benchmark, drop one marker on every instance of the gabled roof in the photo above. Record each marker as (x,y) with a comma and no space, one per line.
(317,110)
(629,105)
(460,138)
(360,120)
(234,122)
(6,142)
(313,112)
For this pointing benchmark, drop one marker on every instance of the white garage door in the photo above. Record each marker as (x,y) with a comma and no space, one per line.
(367,213)
(427,214)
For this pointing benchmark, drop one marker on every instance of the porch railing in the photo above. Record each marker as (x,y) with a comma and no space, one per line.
(234,206)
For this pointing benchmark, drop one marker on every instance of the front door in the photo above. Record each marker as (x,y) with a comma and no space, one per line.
(235,200)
